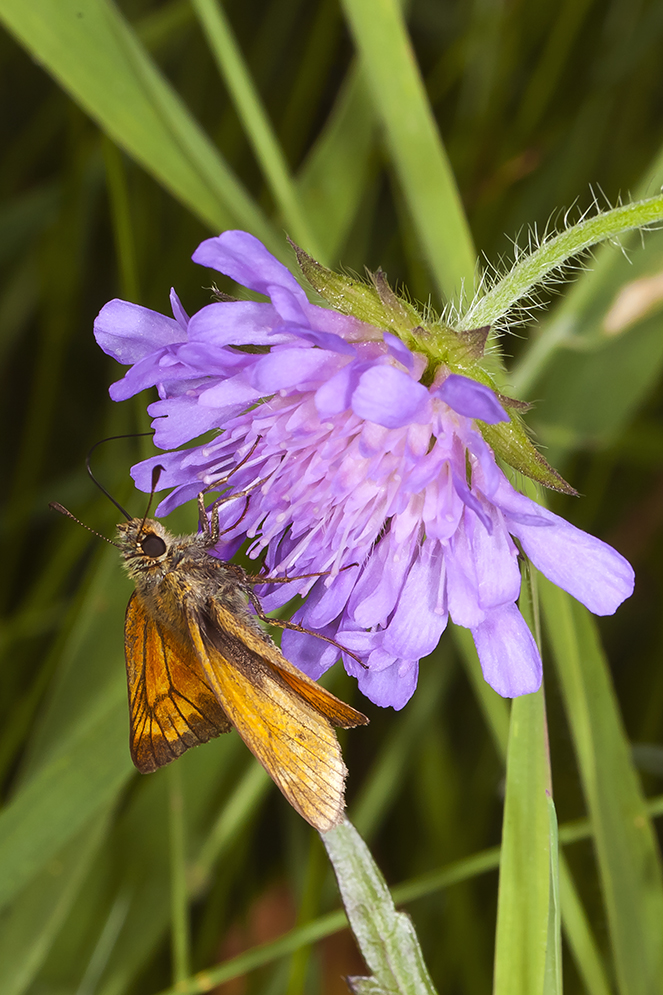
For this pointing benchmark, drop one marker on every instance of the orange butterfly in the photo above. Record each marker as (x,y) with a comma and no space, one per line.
(198,663)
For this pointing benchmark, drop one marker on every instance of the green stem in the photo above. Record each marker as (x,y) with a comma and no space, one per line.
(555,252)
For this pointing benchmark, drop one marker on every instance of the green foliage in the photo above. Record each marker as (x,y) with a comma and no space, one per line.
(522,942)
(132,131)
(386,937)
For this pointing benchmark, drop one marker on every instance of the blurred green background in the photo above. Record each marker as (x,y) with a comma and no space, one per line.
(542,108)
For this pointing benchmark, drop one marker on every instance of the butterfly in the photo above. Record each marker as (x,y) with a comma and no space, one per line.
(199,664)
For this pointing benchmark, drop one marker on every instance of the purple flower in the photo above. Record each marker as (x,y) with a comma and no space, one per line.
(366,462)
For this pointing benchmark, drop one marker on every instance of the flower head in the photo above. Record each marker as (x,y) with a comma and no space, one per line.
(365,461)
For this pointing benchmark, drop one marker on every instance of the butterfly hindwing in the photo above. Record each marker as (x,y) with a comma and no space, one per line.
(171,704)
(292,739)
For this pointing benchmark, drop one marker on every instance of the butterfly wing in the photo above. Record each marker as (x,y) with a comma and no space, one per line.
(338,712)
(171,704)
(286,730)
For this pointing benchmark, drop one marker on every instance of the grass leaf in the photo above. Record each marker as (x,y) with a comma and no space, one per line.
(525,865)
(414,141)
(628,858)
(94,54)
(30,925)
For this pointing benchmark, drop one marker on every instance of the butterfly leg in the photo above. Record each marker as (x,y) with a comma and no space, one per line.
(287,579)
(210,526)
(282,624)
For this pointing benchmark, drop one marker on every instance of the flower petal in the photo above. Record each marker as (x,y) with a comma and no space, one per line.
(590,570)
(472,399)
(462,585)
(593,572)
(237,323)
(179,314)
(389,397)
(292,367)
(288,305)
(376,593)
(397,348)
(417,623)
(509,657)
(335,394)
(246,260)
(391,686)
(495,559)
(179,419)
(312,655)
(129,332)
(232,391)
(324,340)
(322,609)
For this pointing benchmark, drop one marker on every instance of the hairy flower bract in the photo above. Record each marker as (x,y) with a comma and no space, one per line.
(353,468)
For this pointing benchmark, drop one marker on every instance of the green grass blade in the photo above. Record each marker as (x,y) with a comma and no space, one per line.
(580,937)
(336,172)
(390,768)
(179,904)
(414,142)
(294,940)
(62,797)
(574,919)
(309,902)
(407,891)
(141,836)
(78,757)
(524,890)
(494,708)
(628,858)
(120,205)
(231,821)
(93,53)
(258,127)
(32,922)
(552,979)
(113,923)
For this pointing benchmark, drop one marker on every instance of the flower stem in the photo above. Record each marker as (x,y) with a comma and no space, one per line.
(555,252)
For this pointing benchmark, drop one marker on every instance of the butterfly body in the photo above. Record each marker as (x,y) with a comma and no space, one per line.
(199,664)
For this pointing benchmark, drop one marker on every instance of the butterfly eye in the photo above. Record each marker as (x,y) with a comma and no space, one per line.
(153,545)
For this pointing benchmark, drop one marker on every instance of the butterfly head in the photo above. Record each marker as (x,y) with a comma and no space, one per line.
(144,544)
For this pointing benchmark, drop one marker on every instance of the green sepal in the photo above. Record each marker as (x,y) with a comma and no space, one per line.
(472,342)
(377,304)
(510,441)
(374,303)
(460,351)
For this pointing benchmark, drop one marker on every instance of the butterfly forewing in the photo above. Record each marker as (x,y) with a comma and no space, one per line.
(338,713)
(171,705)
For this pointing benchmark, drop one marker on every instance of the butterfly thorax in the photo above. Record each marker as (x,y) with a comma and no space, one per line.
(176,574)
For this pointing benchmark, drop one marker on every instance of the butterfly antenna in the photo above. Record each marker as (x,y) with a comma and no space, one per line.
(156,473)
(111,438)
(56,506)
